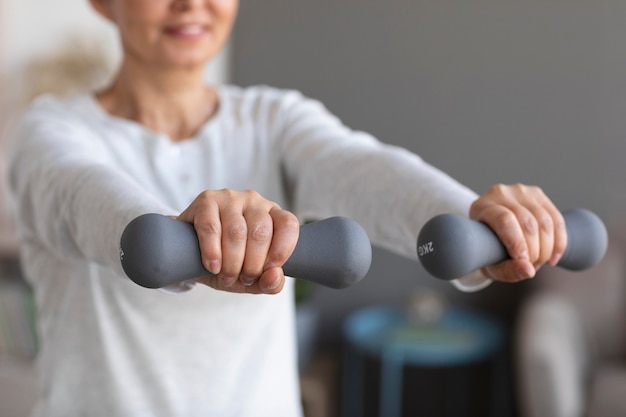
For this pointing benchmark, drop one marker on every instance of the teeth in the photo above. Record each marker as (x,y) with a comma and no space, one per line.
(191,30)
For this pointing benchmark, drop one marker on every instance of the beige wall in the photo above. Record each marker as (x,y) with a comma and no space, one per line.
(488,90)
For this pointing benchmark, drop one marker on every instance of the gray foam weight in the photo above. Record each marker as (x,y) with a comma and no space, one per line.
(450,246)
(157,251)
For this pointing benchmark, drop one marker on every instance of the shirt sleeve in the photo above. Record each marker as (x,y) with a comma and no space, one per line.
(69,197)
(391,192)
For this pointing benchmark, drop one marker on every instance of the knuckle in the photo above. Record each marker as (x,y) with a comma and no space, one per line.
(531,191)
(546,224)
(529,225)
(204,199)
(520,188)
(208,227)
(498,189)
(238,232)
(203,195)
(226,195)
(506,220)
(251,194)
(536,190)
(206,195)
(291,223)
(261,232)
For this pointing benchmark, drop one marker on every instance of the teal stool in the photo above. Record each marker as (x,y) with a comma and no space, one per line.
(460,337)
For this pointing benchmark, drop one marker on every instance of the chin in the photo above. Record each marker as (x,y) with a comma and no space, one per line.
(189,58)
(187,62)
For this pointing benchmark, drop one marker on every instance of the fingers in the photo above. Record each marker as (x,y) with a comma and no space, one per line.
(560,236)
(204,214)
(529,225)
(286,233)
(234,239)
(259,229)
(244,240)
(271,281)
(272,237)
(513,270)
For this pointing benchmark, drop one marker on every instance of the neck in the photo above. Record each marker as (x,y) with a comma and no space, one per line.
(175,102)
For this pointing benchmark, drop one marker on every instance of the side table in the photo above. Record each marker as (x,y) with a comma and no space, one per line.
(460,337)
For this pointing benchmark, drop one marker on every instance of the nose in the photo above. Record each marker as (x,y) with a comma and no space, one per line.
(184,5)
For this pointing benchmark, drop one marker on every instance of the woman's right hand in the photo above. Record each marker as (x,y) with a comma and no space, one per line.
(244,240)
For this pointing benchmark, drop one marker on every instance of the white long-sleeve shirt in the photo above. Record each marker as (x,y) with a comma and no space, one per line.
(112,348)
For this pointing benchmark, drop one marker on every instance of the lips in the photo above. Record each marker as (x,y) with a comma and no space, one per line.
(189,30)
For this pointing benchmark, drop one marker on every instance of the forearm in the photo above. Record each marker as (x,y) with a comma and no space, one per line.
(78,210)
(391,192)
(100,210)
(388,190)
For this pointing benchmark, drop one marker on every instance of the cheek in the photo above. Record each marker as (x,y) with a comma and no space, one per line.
(139,25)
(225,10)
(140,13)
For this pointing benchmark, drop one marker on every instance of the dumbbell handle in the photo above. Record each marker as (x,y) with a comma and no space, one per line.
(157,251)
(450,246)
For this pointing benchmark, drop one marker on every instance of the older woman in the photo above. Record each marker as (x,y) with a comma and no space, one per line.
(244,166)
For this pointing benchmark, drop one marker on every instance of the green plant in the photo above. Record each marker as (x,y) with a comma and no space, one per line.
(303,290)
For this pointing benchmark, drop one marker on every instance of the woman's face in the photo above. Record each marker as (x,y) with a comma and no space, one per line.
(171,33)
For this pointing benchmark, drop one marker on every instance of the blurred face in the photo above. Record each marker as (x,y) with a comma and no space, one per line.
(170,33)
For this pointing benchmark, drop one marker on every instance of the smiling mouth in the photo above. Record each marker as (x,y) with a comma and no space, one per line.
(187,31)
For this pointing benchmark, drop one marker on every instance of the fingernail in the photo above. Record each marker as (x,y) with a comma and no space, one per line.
(228,281)
(247,281)
(555,259)
(525,273)
(214,267)
(274,284)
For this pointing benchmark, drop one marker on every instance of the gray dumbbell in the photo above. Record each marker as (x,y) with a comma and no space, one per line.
(450,246)
(157,251)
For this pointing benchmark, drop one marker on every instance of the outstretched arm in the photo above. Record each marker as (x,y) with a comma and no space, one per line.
(70,199)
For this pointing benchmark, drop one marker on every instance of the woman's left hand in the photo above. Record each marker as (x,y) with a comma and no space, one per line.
(529,225)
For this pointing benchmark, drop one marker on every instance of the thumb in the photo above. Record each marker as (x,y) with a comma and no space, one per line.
(512,270)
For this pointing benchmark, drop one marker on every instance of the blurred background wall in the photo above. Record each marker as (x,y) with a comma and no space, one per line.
(32,28)
(490,91)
